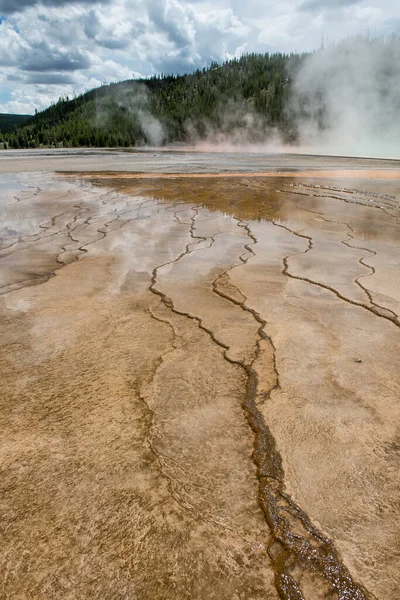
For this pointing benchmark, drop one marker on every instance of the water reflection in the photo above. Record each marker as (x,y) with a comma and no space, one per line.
(278,198)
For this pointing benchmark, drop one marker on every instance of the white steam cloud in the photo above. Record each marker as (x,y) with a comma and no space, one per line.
(236,124)
(346,99)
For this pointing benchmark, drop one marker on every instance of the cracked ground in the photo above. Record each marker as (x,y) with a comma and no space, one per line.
(199,386)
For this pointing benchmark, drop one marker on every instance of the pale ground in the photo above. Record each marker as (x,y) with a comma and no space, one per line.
(199,379)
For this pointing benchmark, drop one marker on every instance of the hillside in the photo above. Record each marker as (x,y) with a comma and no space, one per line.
(343,98)
(242,95)
(8,122)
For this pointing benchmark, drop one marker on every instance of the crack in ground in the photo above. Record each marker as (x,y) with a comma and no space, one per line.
(348,191)
(272,492)
(43,278)
(374,309)
(313,551)
(36,237)
(161,459)
(83,247)
(372,269)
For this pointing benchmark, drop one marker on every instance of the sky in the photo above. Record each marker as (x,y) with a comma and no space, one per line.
(51,48)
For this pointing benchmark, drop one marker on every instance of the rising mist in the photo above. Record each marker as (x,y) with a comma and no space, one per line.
(346,99)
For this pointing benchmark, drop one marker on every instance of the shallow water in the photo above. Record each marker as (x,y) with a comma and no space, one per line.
(200,386)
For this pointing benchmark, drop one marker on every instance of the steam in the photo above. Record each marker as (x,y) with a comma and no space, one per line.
(134,99)
(346,99)
(236,127)
(235,123)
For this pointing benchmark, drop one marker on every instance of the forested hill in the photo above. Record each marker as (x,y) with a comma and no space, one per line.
(8,122)
(242,95)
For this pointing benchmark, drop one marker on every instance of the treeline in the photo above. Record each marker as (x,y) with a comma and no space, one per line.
(246,94)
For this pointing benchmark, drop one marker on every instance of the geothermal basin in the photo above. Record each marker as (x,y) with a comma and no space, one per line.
(199,375)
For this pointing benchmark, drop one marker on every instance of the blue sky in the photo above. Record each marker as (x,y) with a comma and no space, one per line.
(58,47)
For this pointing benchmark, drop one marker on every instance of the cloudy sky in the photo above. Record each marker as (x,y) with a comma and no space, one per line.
(53,47)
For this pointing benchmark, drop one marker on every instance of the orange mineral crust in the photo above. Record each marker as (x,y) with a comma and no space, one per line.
(200,384)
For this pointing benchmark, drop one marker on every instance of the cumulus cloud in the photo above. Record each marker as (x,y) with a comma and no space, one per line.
(43,58)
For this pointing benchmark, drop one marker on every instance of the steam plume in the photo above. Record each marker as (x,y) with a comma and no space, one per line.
(346,99)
